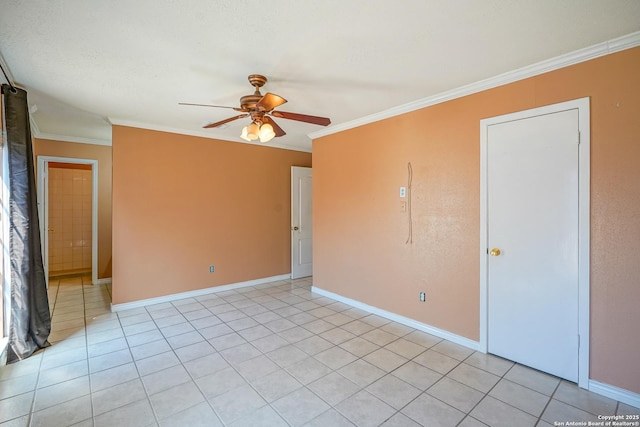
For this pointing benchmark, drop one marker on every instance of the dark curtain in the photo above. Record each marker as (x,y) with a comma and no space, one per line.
(30,322)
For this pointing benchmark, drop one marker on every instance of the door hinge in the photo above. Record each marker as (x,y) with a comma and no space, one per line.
(578,137)
(578,340)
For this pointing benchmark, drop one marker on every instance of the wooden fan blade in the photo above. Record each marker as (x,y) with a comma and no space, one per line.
(322,121)
(208,105)
(230,119)
(270,101)
(277,129)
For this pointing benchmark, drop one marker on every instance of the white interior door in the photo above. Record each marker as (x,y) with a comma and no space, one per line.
(532,219)
(301,236)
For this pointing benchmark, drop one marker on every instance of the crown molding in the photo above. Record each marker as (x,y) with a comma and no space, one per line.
(35,133)
(201,134)
(35,130)
(68,138)
(623,43)
(582,55)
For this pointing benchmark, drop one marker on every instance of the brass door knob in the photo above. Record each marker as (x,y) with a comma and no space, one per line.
(495,252)
(296,228)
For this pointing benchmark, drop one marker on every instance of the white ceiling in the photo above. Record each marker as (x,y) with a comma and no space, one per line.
(86,63)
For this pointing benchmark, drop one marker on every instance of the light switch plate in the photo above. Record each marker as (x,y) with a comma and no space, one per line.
(403,192)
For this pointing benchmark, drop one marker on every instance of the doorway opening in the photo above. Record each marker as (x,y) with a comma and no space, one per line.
(68,209)
(70,218)
(301,222)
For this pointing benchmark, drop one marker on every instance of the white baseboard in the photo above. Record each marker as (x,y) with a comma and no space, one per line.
(104,281)
(619,394)
(474,345)
(196,293)
(613,392)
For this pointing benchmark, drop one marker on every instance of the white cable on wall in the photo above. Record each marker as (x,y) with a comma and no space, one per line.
(409,180)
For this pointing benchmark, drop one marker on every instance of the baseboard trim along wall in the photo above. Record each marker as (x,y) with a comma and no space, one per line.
(105,281)
(440,333)
(613,392)
(196,293)
(622,395)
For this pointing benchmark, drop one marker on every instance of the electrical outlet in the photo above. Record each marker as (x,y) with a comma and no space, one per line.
(403,206)
(423,296)
(403,192)
(211,269)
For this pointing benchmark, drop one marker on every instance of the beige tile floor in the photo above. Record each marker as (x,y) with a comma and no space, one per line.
(268,355)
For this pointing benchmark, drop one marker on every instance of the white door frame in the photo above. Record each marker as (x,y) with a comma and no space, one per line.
(43,207)
(295,223)
(582,105)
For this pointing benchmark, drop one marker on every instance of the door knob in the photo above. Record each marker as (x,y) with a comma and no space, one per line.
(495,252)
(296,228)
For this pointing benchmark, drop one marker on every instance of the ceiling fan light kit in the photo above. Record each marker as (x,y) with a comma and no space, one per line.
(252,132)
(261,110)
(266,133)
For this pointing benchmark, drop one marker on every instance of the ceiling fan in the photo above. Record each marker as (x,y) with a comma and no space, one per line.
(261,110)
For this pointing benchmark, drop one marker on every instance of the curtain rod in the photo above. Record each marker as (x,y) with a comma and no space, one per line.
(13,88)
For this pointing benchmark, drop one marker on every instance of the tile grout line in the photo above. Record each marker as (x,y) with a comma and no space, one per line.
(361,389)
(468,415)
(284,293)
(549,401)
(243,376)
(37,385)
(303,386)
(247,380)
(35,390)
(173,350)
(236,332)
(133,360)
(86,341)
(432,385)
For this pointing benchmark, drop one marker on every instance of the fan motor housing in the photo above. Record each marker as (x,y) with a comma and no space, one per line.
(248,102)
(260,109)
(257,80)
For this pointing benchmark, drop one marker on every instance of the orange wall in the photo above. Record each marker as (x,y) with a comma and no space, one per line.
(101,153)
(359,231)
(182,203)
